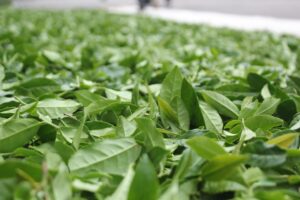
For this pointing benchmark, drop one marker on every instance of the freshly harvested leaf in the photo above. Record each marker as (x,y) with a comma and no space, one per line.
(264,155)
(285,140)
(214,187)
(17,132)
(171,86)
(268,106)
(222,166)
(86,98)
(53,56)
(213,121)
(13,168)
(61,186)
(153,138)
(145,183)
(205,147)
(56,108)
(109,156)
(188,165)
(122,191)
(191,103)
(221,103)
(100,106)
(112,108)
(38,87)
(167,110)
(264,122)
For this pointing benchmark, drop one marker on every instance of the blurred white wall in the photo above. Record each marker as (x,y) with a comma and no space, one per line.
(275,8)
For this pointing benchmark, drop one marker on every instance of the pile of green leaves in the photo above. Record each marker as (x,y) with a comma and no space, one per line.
(101,106)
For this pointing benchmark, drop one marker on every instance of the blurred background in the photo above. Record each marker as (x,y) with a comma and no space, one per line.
(274,8)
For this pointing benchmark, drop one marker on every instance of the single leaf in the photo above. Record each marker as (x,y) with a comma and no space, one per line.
(295,124)
(153,138)
(268,106)
(55,108)
(221,103)
(171,86)
(285,140)
(213,121)
(205,147)
(214,187)
(264,155)
(62,186)
(11,168)
(17,132)
(186,164)
(86,98)
(182,114)
(167,110)
(190,100)
(222,166)
(100,106)
(107,156)
(38,87)
(53,56)
(264,122)
(145,183)
(121,193)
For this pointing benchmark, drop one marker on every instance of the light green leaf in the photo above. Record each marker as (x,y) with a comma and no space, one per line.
(171,86)
(153,138)
(268,106)
(214,187)
(213,121)
(100,106)
(221,103)
(53,56)
(38,87)
(121,193)
(107,156)
(222,166)
(264,122)
(61,186)
(55,108)
(167,110)
(86,98)
(145,183)
(17,132)
(2,75)
(205,147)
(285,140)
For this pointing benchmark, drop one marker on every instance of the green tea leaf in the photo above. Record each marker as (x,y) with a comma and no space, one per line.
(191,103)
(264,122)
(213,121)
(205,147)
(285,140)
(222,166)
(171,86)
(56,108)
(145,183)
(152,137)
(17,132)
(110,156)
(221,103)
